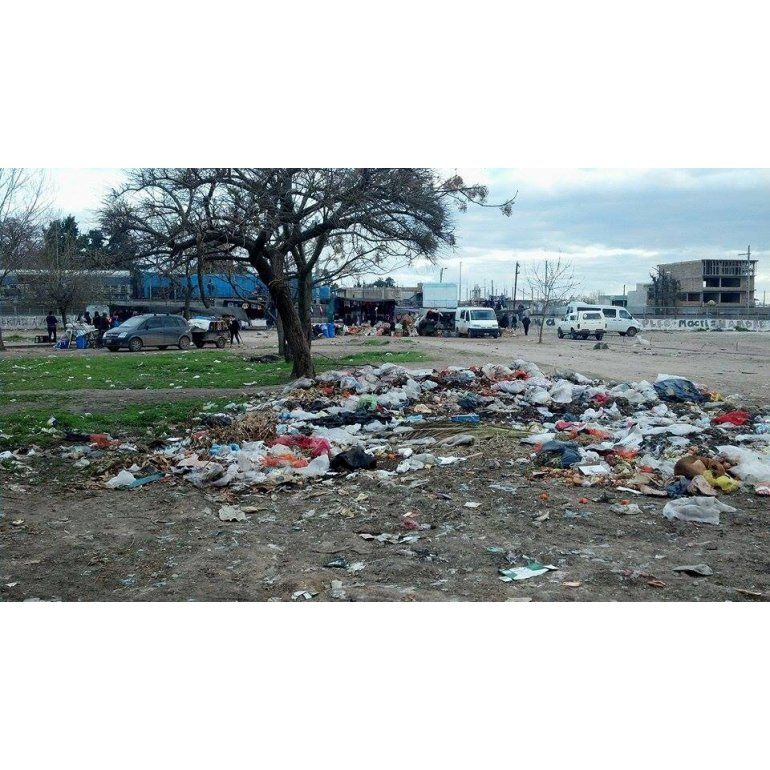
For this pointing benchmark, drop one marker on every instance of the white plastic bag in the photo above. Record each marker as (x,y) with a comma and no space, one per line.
(751,466)
(123,479)
(701,509)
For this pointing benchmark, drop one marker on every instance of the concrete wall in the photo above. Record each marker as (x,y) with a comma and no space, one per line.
(23,321)
(691,324)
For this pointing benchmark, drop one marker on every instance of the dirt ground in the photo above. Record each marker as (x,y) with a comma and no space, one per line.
(62,540)
(165,541)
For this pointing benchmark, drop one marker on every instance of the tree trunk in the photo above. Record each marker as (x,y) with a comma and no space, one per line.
(283,348)
(296,341)
(542,324)
(271,273)
(2,344)
(63,311)
(305,305)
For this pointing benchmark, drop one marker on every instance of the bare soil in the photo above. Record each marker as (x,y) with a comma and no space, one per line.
(166,542)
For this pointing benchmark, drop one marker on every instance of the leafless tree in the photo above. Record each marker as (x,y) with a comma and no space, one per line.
(62,281)
(553,283)
(23,202)
(287,224)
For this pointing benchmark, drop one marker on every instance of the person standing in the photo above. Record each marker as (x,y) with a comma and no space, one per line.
(87,317)
(97,322)
(235,331)
(50,325)
(525,321)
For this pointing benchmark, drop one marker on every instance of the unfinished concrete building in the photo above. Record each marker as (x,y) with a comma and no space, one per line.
(725,282)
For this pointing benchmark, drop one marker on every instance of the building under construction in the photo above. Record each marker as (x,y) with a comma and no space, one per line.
(723,282)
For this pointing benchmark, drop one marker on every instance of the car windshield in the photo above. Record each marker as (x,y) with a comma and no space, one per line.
(133,321)
(483,315)
(592,316)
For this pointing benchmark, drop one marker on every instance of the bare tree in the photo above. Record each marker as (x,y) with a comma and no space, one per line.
(63,281)
(23,201)
(663,292)
(553,283)
(286,224)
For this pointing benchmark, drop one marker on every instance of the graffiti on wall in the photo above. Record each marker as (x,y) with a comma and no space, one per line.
(690,324)
(22,322)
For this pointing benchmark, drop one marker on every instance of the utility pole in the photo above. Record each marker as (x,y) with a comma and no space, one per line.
(515,283)
(441,276)
(748,275)
(460,284)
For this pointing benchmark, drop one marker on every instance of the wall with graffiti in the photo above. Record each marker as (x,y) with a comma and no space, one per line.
(691,324)
(22,322)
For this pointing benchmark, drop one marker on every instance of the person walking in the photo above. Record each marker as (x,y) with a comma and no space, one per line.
(235,331)
(50,325)
(525,322)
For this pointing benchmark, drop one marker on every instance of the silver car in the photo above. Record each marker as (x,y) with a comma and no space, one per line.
(146,331)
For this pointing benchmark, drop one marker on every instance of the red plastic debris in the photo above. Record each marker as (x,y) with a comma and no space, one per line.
(737,417)
(316,446)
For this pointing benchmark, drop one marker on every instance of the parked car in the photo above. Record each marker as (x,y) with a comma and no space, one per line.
(146,331)
(476,322)
(618,318)
(582,324)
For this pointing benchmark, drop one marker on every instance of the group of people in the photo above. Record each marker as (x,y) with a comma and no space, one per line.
(521,314)
(101,321)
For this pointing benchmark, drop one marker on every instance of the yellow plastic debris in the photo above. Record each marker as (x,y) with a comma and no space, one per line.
(725,483)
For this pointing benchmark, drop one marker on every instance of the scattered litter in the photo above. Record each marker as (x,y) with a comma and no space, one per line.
(627,509)
(702,570)
(231,513)
(705,510)
(122,480)
(533,569)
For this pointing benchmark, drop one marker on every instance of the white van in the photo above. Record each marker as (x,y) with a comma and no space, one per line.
(476,322)
(618,318)
(582,324)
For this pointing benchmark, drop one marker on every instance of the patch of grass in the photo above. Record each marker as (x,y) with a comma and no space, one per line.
(13,338)
(199,369)
(27,426)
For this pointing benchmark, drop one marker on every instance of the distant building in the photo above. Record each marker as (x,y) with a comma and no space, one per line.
(636,299)
(616,300)
(725,282)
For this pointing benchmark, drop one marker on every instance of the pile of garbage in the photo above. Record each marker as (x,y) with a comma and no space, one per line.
(671,438)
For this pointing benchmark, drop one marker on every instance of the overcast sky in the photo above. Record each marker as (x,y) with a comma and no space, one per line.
(614,225)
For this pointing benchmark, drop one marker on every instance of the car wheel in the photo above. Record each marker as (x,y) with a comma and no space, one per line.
(135,344)
(200,344)
(112,348)
(221,342)
(622,334)
(631,332)
(184,342)
(560,333)
(162,347)
(599,335)
(573,334)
